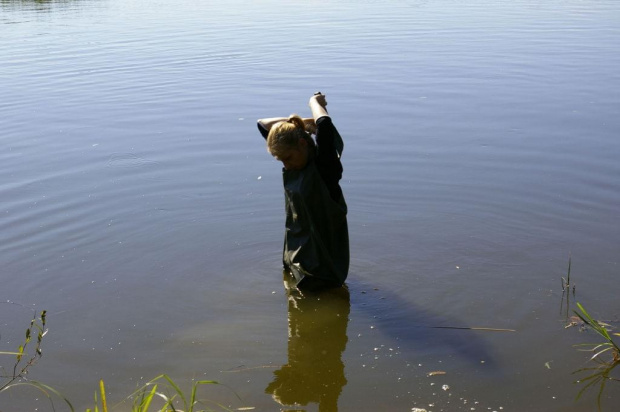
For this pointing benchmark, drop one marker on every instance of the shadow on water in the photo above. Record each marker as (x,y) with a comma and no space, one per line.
(421,331)
(317,338)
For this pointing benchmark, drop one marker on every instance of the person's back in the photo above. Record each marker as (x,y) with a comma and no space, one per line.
(316,241)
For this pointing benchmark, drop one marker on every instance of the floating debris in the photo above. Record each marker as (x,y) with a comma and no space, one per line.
(574,321)
(435,373)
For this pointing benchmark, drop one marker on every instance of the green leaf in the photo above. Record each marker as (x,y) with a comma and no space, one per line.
(104,404)
(178,391)
(192,401)
(46,390)
(144,405)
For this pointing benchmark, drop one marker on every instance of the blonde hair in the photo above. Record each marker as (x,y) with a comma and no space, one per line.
(285,136)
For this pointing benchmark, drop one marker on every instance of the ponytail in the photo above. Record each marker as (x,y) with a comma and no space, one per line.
(285,135)
(296,121)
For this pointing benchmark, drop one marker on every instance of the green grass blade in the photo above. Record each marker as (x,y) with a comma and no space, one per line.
(590,345)
(96,403)
(592,383)
(588,378)
(596,355)
(45,389)
(104,405)
(146,402)
(192,398)
(586,318)
(195,389)
(600,395)
(177,389)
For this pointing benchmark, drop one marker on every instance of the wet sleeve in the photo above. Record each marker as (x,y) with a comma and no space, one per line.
(329,144)
(264,132)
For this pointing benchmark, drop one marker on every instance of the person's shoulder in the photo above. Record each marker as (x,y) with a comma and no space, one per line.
(323,121)
(324,126)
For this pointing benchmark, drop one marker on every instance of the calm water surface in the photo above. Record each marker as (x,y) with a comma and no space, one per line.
(141,209)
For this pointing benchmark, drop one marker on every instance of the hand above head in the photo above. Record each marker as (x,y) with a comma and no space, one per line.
(318,105)
(319,98)
(310,125)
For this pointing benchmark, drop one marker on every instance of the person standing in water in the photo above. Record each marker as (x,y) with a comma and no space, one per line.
(316,240)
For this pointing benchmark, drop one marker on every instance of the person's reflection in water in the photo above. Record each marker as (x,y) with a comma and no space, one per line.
(317,336)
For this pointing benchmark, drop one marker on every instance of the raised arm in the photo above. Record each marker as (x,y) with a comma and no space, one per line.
(318,106)
(329,145)
(267,123)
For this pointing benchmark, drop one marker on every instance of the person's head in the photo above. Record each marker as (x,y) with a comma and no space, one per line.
(289,143)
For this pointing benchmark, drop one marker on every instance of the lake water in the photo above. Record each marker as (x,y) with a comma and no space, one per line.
(140,207)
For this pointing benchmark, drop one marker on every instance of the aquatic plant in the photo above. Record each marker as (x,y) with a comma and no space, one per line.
(164,390)
(161,388)
(20,369)
(23,361)
(606,355)
(566,287)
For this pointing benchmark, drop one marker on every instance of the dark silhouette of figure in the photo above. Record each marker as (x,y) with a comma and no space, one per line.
(316,239)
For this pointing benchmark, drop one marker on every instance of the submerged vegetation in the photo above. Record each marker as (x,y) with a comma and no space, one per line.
(566,290)
(606,356)
(160,394)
